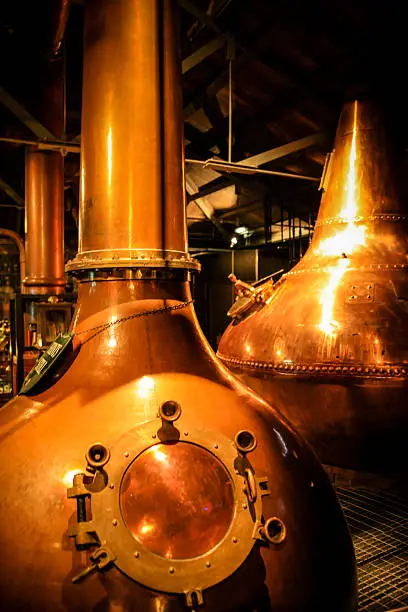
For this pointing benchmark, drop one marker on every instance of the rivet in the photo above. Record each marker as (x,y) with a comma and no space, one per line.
(215,445)
(114,522)
(154,435)
(237,472)
(127,454)
(235,540)
(111,486)
(137,554)
(208,564)
(186,433)
(245,506)
(171,570)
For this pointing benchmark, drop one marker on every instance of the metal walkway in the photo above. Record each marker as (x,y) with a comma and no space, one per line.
(378,523)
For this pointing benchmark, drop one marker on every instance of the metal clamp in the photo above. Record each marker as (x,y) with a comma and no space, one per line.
(101,560)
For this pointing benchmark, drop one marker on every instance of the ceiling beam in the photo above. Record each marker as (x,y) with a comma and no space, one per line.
(217,185)
(24,116)
(276,153)
(11,193)
(203,52)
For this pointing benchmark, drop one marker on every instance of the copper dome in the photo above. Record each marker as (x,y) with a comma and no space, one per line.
(328,341)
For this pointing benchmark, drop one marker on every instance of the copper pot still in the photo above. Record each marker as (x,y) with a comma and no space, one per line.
(137,473)
(328,342)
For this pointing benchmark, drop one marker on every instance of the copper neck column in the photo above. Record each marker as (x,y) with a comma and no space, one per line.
(44,185)
(132,210)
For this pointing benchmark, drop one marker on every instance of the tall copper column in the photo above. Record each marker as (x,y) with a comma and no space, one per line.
(132,194)
(44,187)
(185,490)
(329,344)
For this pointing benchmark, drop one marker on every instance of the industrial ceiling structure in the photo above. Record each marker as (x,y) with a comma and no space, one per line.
(263,84)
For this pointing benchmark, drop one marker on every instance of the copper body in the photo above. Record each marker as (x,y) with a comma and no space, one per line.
(114,380)
(330,345)
(44,197)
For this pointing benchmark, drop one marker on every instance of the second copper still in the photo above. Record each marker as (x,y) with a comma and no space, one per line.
(137,474)
(328,342)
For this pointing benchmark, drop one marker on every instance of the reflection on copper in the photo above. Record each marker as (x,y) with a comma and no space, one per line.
(145,387)
(340,313)
(192,504)
(176,498)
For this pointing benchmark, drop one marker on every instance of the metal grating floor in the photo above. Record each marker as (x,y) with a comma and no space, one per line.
(378,522)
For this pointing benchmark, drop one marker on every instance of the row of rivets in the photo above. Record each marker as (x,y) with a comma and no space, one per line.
(381,370)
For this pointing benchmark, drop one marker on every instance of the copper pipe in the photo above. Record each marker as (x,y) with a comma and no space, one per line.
(61,24)
(44,185)
(44,222)
(132,197)
(20,245)
(329,345)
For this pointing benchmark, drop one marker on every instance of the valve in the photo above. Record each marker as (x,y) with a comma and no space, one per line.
(101,560)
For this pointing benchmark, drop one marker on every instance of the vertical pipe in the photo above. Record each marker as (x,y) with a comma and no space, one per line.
(44,227)
(132,196)
(44,187)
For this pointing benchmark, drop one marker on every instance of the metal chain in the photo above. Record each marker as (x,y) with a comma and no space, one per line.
(103,326)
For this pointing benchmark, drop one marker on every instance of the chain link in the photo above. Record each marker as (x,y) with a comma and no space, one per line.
(103,326)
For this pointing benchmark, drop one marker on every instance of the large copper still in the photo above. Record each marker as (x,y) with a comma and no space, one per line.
(328,342)
(137,473)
